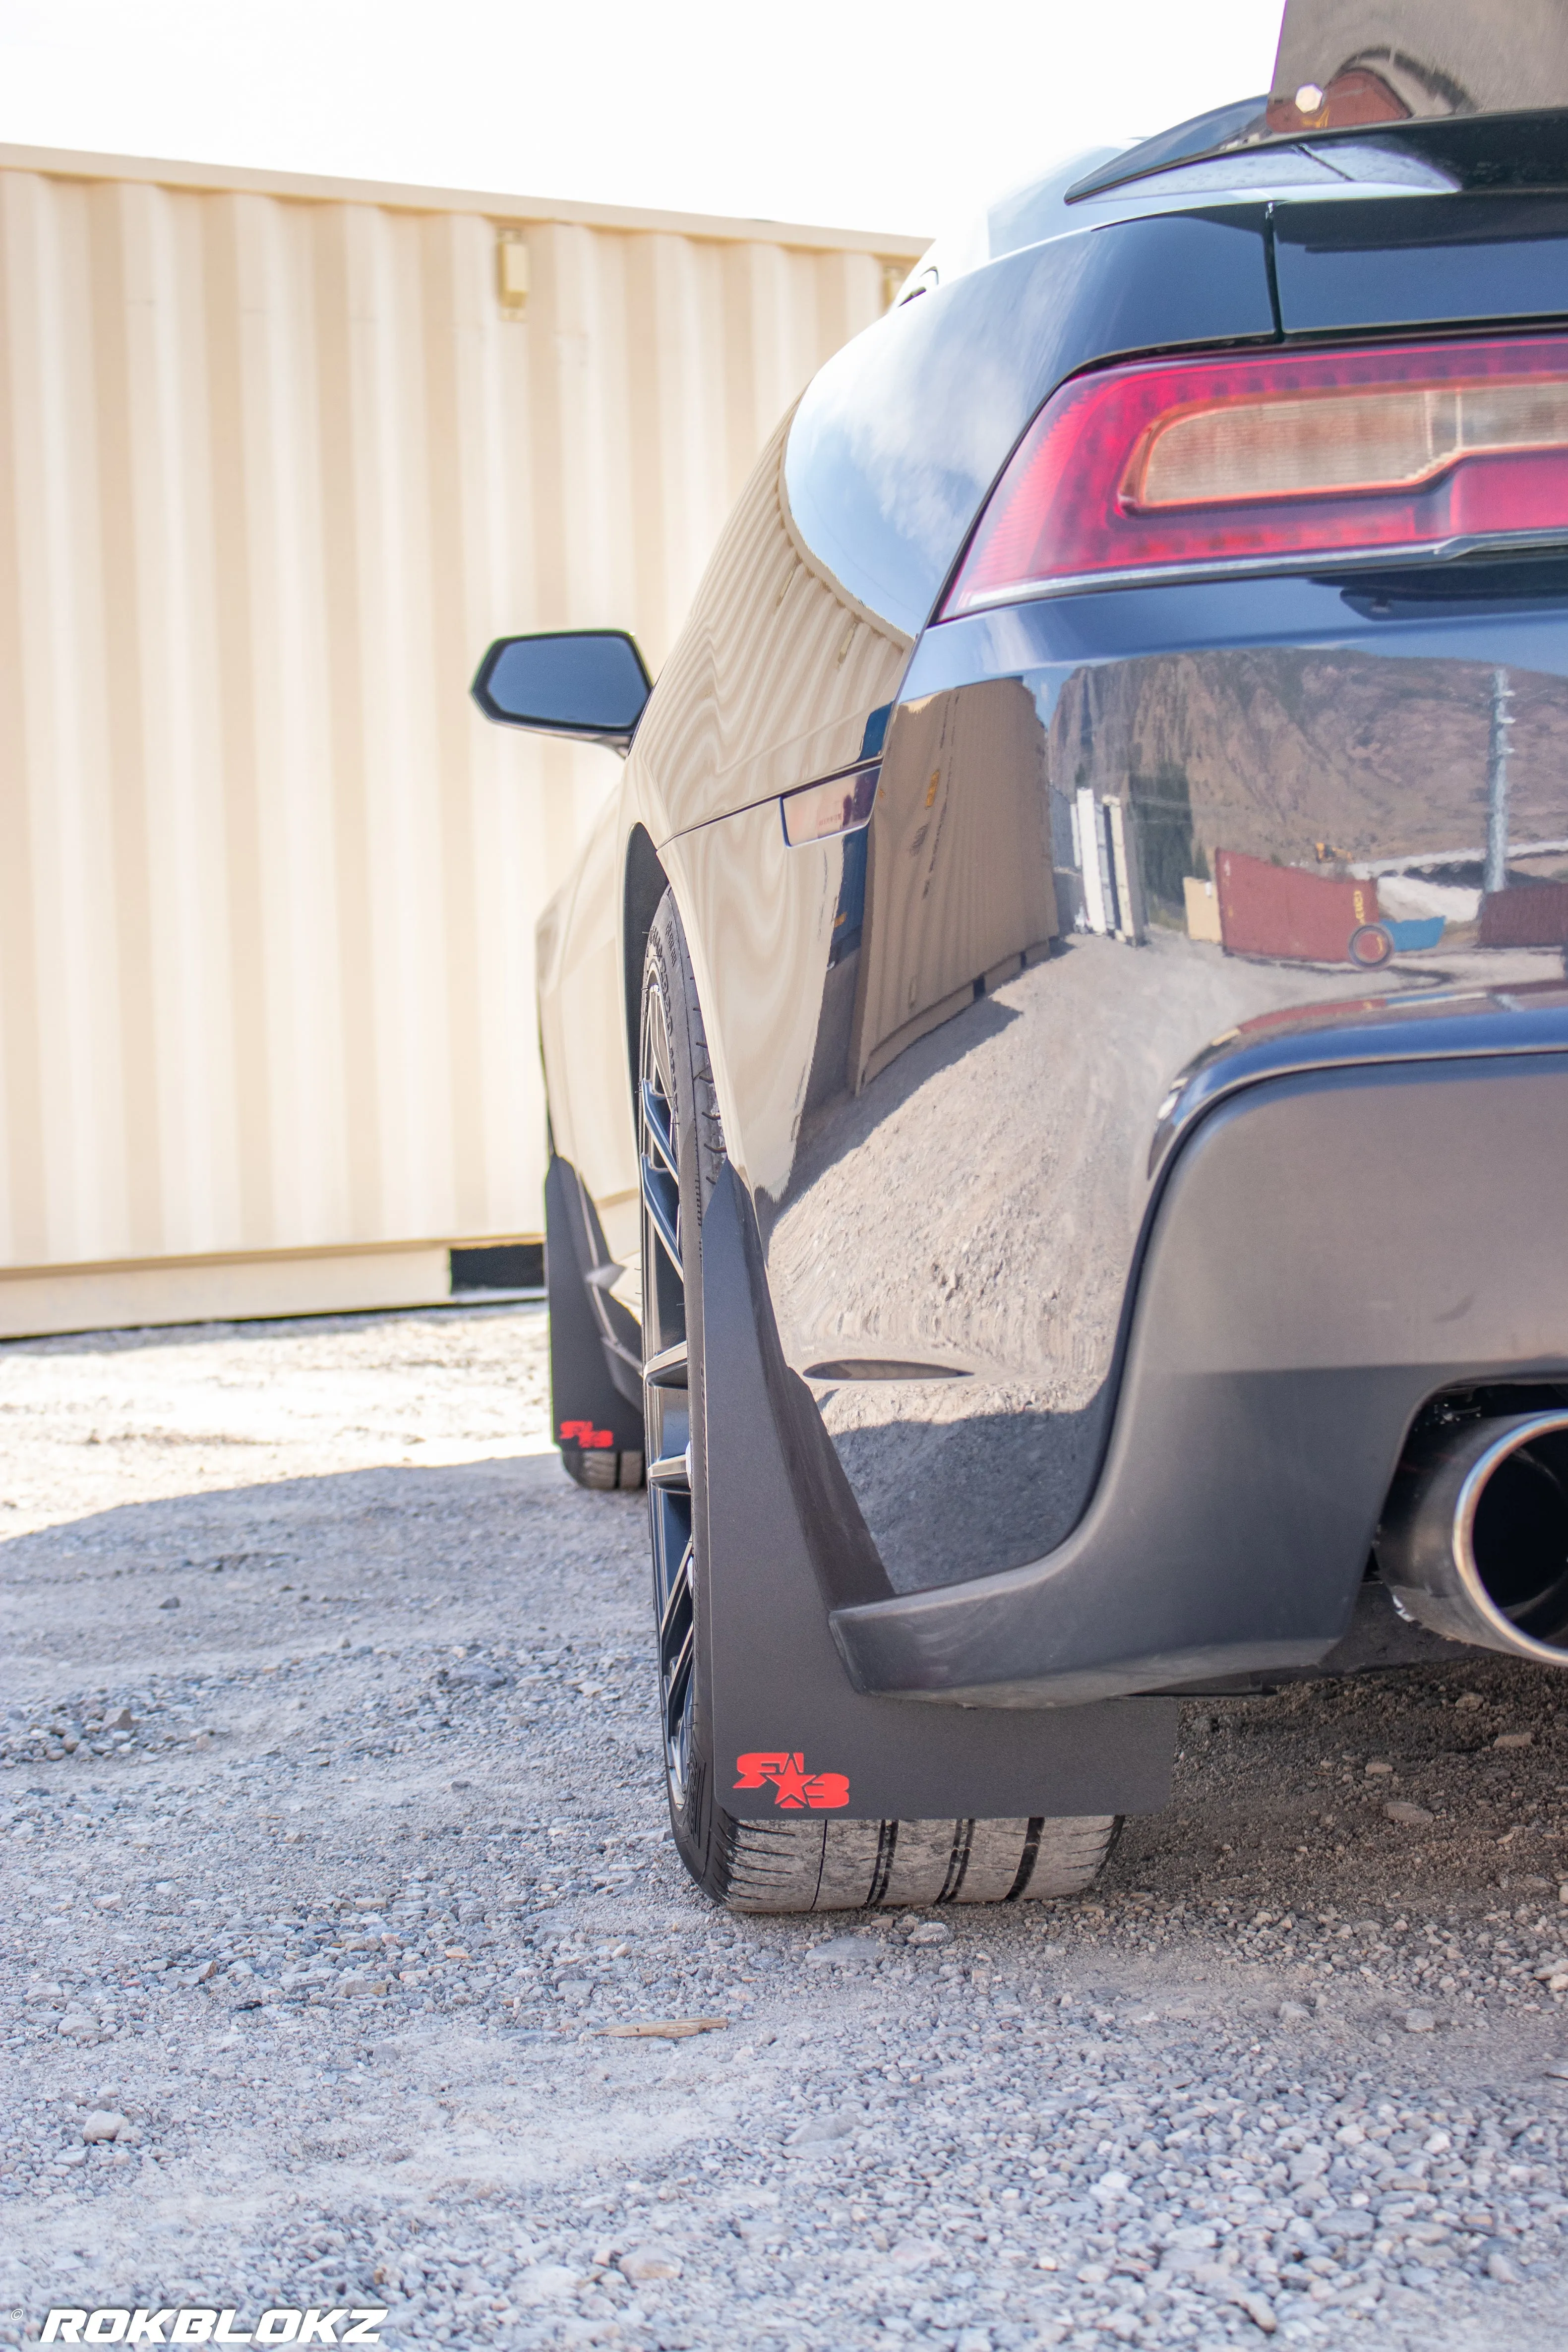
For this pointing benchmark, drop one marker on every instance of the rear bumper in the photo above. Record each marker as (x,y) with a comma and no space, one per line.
(1327,1250)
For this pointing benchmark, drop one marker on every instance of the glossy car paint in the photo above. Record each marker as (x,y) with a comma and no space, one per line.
(962,1055)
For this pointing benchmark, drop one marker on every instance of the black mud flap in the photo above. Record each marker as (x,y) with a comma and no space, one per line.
(595,1387)
(785,1544)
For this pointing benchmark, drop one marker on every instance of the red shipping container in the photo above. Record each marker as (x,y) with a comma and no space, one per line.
(1287,913)
(1528,915)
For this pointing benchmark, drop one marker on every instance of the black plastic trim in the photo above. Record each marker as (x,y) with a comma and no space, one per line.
(1445,1025)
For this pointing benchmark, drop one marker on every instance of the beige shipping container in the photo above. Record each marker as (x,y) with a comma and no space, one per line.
(277,457)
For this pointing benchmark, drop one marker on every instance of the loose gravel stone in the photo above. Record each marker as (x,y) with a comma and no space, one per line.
(393,1906)
(644,2264)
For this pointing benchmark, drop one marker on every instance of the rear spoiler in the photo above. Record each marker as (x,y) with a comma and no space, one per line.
(1348,68)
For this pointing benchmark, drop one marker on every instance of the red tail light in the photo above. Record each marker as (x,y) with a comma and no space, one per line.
(1214,465)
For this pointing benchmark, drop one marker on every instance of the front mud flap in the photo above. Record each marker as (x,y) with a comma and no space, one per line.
(594,1388)
(784,1545)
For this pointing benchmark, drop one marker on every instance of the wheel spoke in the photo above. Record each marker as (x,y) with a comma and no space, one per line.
(678,1682)
(677,1609)
(660,1129)
(673,1471)
(661,1198)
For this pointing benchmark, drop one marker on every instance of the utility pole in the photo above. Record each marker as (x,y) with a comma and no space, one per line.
(1497,782)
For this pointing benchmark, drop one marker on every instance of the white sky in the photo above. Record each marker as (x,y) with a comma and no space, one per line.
(855,112)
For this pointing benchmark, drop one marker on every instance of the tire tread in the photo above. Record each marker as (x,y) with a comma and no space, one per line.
(823,1865)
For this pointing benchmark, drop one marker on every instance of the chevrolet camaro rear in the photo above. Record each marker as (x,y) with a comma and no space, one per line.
(1058,1048)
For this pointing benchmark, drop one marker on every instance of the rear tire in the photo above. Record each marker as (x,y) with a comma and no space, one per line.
(600,1471)
(808,1863)
(805,1865)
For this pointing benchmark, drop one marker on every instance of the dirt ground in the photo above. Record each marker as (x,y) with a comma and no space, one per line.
(333,1851)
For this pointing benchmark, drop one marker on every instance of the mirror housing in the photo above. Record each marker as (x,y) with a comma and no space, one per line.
(589,685)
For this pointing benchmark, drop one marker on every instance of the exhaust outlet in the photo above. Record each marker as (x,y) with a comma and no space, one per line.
(1474,1540)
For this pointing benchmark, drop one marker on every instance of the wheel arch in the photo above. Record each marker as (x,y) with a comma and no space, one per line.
(644,884)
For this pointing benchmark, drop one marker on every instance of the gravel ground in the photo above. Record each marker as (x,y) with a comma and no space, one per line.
(332,1842)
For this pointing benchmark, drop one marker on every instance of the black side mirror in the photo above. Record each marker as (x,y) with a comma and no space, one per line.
(589,684)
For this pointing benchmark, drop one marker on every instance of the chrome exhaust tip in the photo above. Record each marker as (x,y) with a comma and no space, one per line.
(1474,1540)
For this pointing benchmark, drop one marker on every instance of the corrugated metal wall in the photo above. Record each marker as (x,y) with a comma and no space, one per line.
(275,465)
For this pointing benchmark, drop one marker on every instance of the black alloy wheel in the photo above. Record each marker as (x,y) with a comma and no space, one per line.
(680,1150)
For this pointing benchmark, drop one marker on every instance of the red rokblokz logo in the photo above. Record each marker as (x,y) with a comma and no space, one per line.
(202,2324)
(797,1790)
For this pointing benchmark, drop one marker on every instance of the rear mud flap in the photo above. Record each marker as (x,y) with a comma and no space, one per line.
(786,1545)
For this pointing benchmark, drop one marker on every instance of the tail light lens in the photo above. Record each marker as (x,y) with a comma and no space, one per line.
(1212,465)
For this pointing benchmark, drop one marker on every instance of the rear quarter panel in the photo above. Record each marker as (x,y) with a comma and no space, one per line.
(772,679)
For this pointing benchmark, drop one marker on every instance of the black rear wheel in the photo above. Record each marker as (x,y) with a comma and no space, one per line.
(679,1149)
(812,1864)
